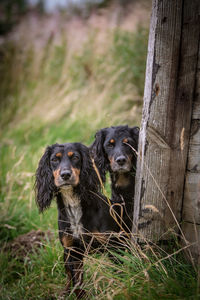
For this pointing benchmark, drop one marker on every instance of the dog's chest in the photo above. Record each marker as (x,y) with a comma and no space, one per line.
(73,210)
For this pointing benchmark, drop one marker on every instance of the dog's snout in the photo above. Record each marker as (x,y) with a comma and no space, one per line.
(121,160)
(65,174)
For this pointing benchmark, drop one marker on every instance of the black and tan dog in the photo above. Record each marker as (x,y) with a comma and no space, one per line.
(114,150)
(66,172)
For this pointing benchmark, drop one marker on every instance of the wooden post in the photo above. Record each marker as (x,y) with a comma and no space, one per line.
(165,128)
(191,201)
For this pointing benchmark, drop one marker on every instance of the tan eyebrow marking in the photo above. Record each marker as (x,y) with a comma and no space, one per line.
(70,153)
(112,141)
(59,154)
(125,140)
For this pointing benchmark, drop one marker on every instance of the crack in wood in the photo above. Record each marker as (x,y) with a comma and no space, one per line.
(157,138)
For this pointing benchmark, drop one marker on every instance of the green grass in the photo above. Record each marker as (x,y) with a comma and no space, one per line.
(38,277)
(41,276)
(54,96)
(136,278)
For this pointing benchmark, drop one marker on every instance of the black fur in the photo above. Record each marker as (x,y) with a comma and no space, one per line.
(45,188)
(69,166)
(114,150)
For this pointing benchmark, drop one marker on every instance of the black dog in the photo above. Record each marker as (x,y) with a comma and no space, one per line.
(114,150)
(66,172)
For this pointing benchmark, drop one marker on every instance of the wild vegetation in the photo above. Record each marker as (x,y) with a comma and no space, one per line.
(53,93)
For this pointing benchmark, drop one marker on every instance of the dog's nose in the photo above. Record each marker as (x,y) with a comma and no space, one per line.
(121,160)
(66,174)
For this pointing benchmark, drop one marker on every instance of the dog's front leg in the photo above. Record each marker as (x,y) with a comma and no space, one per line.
(73,259)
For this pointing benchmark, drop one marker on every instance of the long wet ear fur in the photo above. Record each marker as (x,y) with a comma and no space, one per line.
(44,183)
(98,154)
(135,136)
(88,176)
(134,131)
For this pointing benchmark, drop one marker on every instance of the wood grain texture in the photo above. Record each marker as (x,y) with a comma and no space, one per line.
(192,235)
(167,113)
(191,201)
(191,207)
(193,165)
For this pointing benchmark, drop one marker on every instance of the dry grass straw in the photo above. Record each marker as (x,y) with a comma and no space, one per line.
(136,250)
(153,208)
(128,242)
(103,275)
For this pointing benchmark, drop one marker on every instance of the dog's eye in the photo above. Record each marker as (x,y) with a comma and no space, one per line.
(75,158)
(111,145)
(54,159)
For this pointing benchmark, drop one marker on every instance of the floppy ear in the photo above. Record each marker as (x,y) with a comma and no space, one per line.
(44,183)
(88,176)
(98,154)
(135,136)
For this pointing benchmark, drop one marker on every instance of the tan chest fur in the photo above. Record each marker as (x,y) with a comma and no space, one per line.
(122,181)
(73,210)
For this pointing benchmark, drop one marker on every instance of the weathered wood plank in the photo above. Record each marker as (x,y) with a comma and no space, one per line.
(184,102)
(191,201)
(155,136)
(194,147)
(191,207)
(165,128)
(196,104)
(192,235)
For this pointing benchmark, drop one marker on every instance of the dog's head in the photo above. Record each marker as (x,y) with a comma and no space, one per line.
(114,149)
(64,165)
(65,162)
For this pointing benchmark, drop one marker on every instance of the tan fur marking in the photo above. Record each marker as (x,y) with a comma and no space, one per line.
(67,241)
(76,173)
(70,153)
(73,210)
(111,159)
(59,154)
(100,237)
(122,181)
(125,140)
(56,175)
(69,198)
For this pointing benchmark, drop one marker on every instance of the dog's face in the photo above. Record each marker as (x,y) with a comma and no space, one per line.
(64,165)
(118,151)
(65,161)
(114,149)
